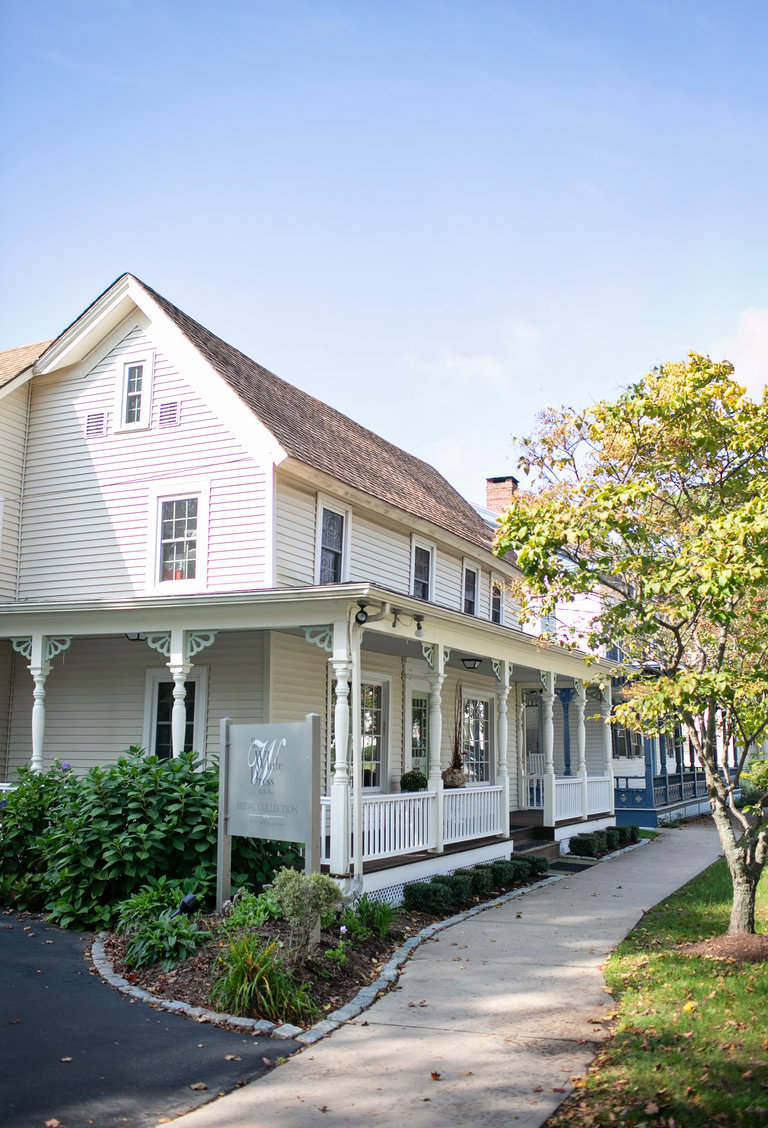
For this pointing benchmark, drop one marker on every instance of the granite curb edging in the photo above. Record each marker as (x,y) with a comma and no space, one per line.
(365,997)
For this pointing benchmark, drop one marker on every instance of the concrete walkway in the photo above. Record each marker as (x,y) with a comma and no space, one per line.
(492,1020)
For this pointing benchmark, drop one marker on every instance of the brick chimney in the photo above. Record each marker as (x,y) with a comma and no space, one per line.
(499,491)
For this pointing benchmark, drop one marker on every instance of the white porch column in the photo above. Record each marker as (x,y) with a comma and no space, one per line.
(179,665)
(548,698)
(581,744)
(522,782)
(605,710)
(435,656)
(502,767)
(340,783)
(39,649)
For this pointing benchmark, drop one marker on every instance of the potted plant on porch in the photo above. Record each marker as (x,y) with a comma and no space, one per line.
(454,775)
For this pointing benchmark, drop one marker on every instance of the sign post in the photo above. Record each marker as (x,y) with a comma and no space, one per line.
(269,787)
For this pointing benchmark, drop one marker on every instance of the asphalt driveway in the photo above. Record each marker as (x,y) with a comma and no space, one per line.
(75,1051)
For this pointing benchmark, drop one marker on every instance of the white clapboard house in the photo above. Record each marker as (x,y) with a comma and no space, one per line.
(185,537)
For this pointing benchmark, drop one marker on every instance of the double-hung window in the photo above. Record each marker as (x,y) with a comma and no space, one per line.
(178,539)
(470,590)
(158,714)
(179,551)
(497,601)
(333,524)
(136,393)
(422,569)
(374,729)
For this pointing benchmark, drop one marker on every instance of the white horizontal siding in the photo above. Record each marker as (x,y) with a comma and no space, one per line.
(379,553)
(13,420)
(87,510)
(448,580)
(295,524)
(298,684)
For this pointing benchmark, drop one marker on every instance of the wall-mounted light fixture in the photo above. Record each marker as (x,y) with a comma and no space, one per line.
(362,615)
(419,621)
(471,663)
(136,637)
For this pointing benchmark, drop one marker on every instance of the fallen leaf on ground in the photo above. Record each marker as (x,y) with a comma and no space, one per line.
(65,1059)
(232,1057)
(199,1085)
(435,1076)
(53,1123)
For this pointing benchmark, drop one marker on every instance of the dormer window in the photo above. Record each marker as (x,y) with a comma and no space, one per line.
(136,394)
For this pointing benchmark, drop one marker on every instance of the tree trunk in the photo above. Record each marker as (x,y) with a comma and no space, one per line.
(743,908)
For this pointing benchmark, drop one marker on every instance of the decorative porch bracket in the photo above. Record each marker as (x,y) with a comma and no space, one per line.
(179,647)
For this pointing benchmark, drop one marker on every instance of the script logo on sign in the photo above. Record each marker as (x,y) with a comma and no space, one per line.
(263,760)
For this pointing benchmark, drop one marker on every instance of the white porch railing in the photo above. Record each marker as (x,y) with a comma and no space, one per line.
(471,812)
(392,825)
(599,794)
(568,799)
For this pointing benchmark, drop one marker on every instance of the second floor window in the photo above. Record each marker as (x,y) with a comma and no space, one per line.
(134,379)
(135,391)
(331,547)
(497,595)
(422,572)
(470,591)
(178,539)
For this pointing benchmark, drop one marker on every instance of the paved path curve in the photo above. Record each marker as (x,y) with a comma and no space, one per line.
(491,1019)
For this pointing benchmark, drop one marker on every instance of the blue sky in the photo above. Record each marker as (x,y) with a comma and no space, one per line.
(437,215)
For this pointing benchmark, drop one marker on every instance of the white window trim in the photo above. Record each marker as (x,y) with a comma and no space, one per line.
(497,579)
(178,491)
(431,547)
(147,358)
(470,566)
(324,501)
(156,675)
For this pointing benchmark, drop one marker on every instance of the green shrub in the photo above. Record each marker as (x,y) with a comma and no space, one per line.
(372,914)
(253,981)
(426,897)
(523,866)
(625,835)
(507,873)
(251,910)
(39,800)
(612,837)
(86,843)
(166,940)
(583,845)
(539,865)
(634,833)
(413,780)
(601,840)
(303,899)
(459,886)
(159,896)
(482,879)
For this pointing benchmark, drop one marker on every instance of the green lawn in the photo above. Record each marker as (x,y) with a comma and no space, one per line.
(690,1047)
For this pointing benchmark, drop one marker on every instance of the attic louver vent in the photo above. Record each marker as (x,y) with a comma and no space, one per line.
(169,414)
(96,424)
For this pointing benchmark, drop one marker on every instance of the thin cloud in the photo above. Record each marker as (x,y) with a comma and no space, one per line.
(747,350)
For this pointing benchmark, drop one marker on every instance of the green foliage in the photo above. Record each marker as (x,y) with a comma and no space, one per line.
(539,865)
(508,873)
(482,879)
(583,846)
(303,899)
(165,940)
(253,981)
(86,843)
(634,834)
(413,780)
(158,896)
(251,910)
(656,505)
(426,897)
(372,914)
(523,865)
(26,813)
(458,885)
(612,837)
(340,954)
(625,835)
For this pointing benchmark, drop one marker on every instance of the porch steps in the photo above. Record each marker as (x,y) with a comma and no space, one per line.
(536,840)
